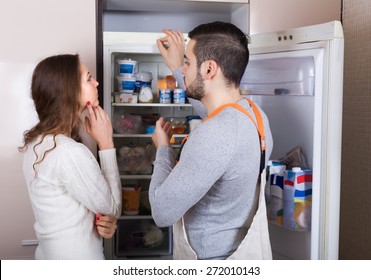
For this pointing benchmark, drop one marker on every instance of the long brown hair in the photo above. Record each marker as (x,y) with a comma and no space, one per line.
(55,90)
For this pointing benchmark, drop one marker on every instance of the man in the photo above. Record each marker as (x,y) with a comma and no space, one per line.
(211,195)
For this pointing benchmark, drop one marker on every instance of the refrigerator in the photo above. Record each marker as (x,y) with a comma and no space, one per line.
(296,76)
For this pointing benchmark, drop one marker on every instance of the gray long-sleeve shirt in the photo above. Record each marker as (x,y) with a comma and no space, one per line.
(214,184)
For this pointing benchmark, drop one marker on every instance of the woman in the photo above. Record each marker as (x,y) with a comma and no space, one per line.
(66,185)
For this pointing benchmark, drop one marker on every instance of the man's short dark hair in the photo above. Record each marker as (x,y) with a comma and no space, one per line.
(224,43)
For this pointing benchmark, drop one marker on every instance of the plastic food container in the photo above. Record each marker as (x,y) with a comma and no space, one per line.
(178,125)
(126,124)
(126,83)
(131,199)
(127,98)
(143,79)
(178,120)
(126,66)
(124,97)
(178,128)
(135,160)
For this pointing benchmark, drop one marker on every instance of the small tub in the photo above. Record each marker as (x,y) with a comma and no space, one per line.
(126,66)
(143,79)
(126,83)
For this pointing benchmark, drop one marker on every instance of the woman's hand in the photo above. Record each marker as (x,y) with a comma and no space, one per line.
(106,225)
(172,48)
(99,127)
(162,134)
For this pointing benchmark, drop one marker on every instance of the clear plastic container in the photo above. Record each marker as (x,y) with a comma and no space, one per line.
(134,160)
(126,124)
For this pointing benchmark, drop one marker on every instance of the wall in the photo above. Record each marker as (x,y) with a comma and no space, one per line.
(276,15)
(355,226)
(31,30)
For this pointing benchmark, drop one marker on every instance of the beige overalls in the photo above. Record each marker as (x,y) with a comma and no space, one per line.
(256,243)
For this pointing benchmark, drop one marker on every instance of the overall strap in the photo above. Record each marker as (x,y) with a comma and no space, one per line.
(258,124)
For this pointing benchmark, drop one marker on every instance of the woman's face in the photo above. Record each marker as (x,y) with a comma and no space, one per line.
(89,91)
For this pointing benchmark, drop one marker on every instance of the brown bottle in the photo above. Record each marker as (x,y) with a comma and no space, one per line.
(170,82)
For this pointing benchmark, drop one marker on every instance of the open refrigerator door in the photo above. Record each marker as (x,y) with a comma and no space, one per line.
(296,77)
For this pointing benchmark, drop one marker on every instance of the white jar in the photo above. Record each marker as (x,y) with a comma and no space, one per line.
(145,95)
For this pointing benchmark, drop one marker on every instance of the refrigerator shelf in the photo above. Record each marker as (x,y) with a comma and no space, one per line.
(280,76)
(134,217)
(136,177)
(144,135)
(151,105)
(287,228)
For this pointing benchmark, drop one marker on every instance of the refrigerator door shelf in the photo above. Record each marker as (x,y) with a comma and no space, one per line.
(294,230)
(279,76)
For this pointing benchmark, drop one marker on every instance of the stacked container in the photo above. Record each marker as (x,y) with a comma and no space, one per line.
(126,81)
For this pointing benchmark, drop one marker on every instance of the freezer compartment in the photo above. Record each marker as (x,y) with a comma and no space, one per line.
(279,76)
(141,237)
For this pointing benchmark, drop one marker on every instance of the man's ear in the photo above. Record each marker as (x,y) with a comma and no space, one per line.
(211,68)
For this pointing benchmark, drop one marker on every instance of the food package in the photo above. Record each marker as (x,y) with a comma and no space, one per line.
(276,185)
(134,160)
(297,199)
(127,123)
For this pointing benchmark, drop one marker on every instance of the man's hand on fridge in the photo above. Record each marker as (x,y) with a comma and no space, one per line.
(172,48)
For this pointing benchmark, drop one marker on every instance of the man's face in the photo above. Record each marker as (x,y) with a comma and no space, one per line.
(195,86)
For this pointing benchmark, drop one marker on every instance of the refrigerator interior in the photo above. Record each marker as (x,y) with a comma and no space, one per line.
(128,242)
(288,86)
